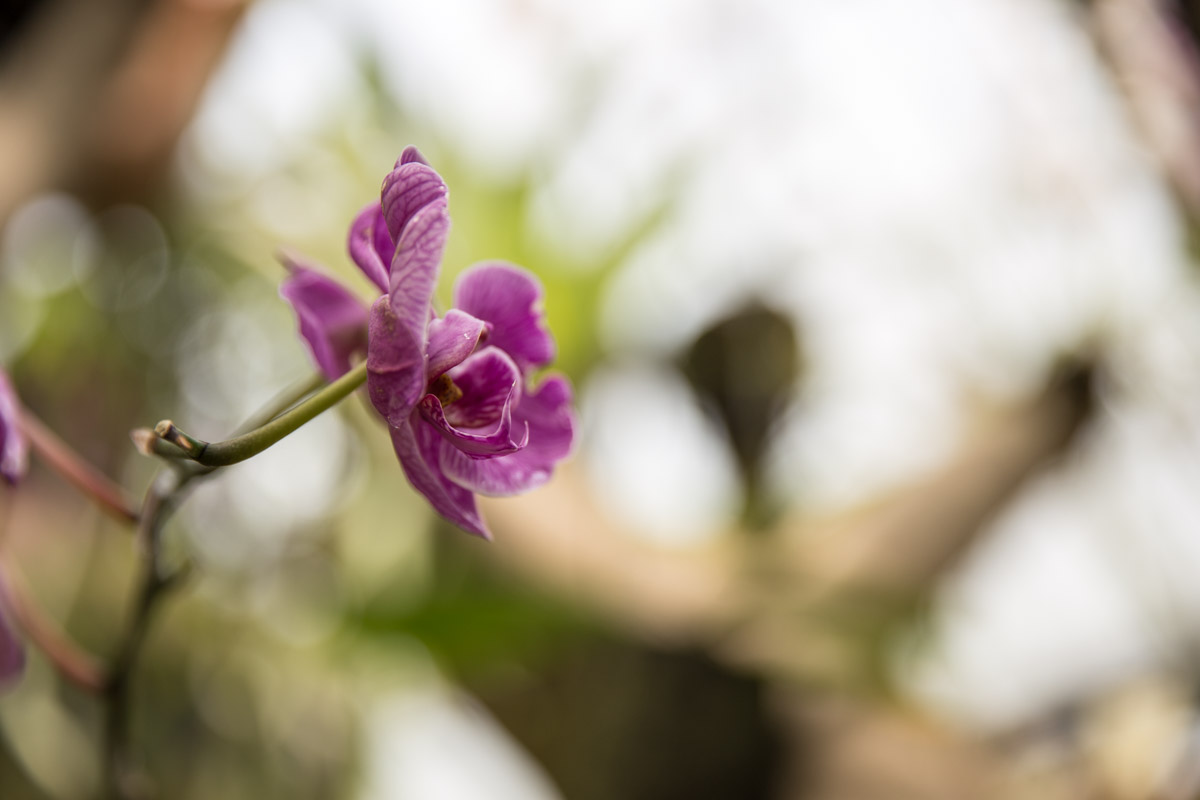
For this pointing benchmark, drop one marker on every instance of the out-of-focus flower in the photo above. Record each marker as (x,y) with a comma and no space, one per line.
(14,460)
(12,649)
(456,391)
(14,452)
(332,320)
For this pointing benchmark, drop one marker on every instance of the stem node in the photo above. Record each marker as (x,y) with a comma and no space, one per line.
(190,445)
(251,443)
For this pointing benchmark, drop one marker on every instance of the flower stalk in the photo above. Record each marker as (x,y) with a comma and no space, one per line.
(68,658)
(247,445)
(161,499)
(155,582)
(68,463)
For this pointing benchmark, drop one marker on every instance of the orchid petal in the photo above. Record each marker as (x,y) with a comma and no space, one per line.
(510,298)
(496,442)
(417,448)
(407,189)
(551,422)
(333,321)
(415,266)
(489,379)
(451,339)
(395,364)
(371,245)
(14,451)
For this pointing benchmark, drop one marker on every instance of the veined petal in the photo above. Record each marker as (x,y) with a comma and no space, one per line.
(371,246)
(482,443)
(417,448)
(14,450)
(450,340)
(551,423)
(510,298)
(415,266)
(395,364)
(333,321)
(406,190)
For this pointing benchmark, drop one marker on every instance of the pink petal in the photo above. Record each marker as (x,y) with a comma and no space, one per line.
(371,246)
(14,450)
(407,189)
(510,298)
(395,363)
(415,266)
(417,447)
(451,339)
(333,321)
(552,425)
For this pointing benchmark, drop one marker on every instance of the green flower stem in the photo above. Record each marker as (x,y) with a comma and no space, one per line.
(150,443)
(281,402)
(124,779)
(239,448)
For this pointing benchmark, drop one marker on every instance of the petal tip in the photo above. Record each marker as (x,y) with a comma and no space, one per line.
(411,154)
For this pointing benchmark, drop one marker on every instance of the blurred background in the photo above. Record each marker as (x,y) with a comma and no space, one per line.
(884,326)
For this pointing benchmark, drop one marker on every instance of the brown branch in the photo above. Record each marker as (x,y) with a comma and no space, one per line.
(95,95)
(153,94)
(749,596)
(161,498)
(900,546)
(76,470)
(72,661)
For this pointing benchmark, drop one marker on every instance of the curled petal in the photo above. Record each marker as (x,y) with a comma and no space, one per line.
(14,450)
(415,266)
(417,448)
(333,321)
(481,443)
(407,189)
(371,245)
(510,298)
(551,423)
(395,364)
(489,380)
(451,339)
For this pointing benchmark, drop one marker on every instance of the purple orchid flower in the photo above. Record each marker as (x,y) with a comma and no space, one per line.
(456,391)
(14,460)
